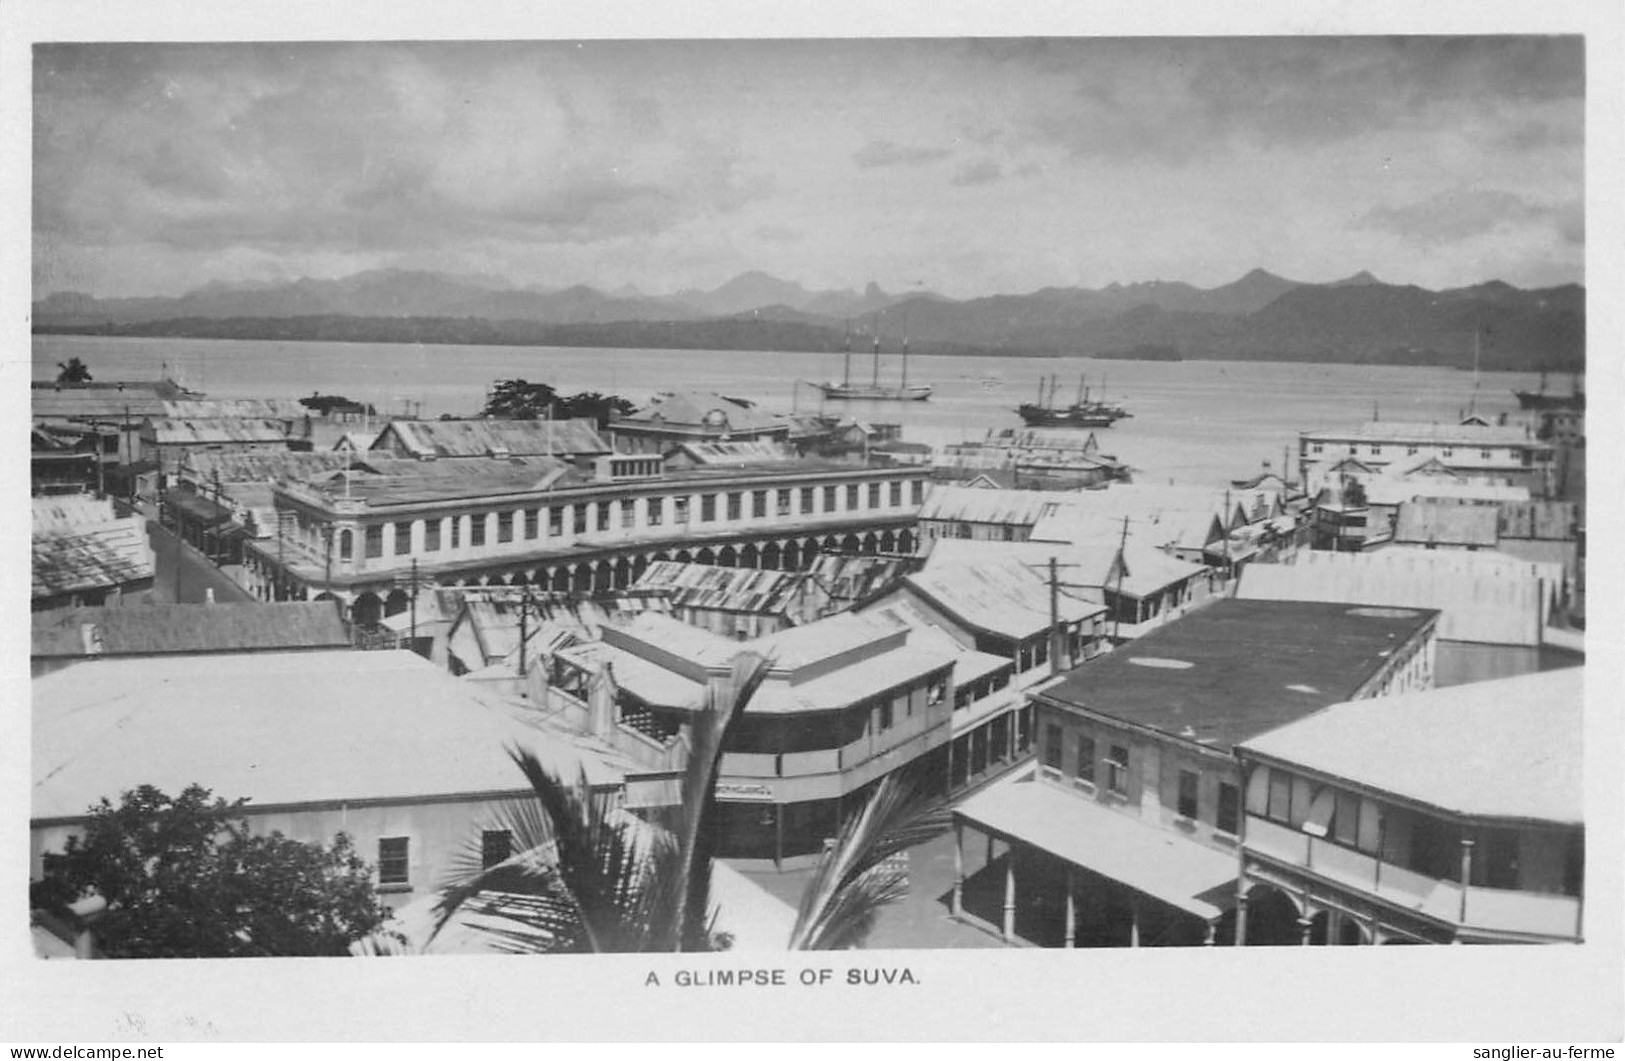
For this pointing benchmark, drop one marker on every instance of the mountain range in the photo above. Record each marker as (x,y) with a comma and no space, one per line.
(1258,316)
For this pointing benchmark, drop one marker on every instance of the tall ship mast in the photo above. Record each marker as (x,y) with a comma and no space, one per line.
(874,390)
(1081,413)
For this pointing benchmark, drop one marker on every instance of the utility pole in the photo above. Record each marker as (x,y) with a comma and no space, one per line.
(414,602)
(1056,638)
(524,601)
(1122,563)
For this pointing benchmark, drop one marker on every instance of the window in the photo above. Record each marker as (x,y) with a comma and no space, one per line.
(1346,819)
(346,544)
(1228,818)
(1411,451)
(782,503)
(375,541)
(476,531)
(874,495)
(393,866)
(679,509)
(1484,453)
(1117,770)
(708,508)
(629,516)
(936,691)
(735,506)
(1449,452)
(1376,451)
(1319,447)
(830,498)
(555,521)
(1086,760)
(885,716)
(758,503)
(1280,796)
(431,536)
(851,496)
(456,532)
(504,526)
(403,538)
(496,847)
(657,511)
(896,494)
(580,522)
(1041,651)
(603,515)
(1188,781)
(1052,747)
(807,499)
(918,491)
(533,523)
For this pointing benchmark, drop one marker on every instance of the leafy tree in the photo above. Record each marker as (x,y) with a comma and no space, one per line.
(590,405)
(517,399)
(588,877)
(73,371)
(183,878)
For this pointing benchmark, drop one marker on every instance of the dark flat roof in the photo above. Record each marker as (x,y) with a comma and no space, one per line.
(1253,665)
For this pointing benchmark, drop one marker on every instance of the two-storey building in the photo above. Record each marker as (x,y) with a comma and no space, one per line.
(845,701)
(539,522)
(1126,832)
(1445,816)
(1509,454)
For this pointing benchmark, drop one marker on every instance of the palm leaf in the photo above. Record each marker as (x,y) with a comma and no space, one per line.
(862,871)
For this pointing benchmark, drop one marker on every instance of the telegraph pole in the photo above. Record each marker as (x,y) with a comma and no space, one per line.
(1056,638)
(414,602)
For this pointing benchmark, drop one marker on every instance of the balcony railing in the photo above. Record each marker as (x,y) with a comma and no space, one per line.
(1486,909)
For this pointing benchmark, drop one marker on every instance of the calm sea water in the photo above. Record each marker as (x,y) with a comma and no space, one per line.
(1194,421)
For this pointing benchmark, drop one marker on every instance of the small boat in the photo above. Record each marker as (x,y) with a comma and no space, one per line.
(1081,413)
(874,390)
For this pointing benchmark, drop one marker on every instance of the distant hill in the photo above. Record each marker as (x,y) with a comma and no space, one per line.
(1260,316)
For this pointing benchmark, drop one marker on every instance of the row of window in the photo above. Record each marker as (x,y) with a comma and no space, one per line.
(395,856)
(606,515)
(1111,772)
(1411,451)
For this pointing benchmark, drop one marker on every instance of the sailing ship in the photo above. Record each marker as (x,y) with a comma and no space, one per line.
(874,390)
(1542,400)
(1083,412)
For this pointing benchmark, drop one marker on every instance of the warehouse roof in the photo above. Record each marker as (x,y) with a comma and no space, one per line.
(485,438)
(162,629)
(1237,668)
(279,728)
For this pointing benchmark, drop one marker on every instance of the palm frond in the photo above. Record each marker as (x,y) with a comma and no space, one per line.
(686,898)
(861,872)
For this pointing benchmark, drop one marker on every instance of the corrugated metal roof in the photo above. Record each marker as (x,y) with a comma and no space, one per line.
(1456,749)
(235,408)
(748,452)
(217,431)
(1389,490)
(857,578)
(967,504)
(65,511)
(280,728)
(702,409)
(1553,521)
(1446,523)
(138,402)
(1086,563)
(1400,433)
(734,589)
(1234,669)
(1484,597)
(1001,594)
(91,556)
(158,629)
(409,482)
(267,466)
(483,438)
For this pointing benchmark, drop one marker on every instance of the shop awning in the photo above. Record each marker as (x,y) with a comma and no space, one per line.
(1152,861)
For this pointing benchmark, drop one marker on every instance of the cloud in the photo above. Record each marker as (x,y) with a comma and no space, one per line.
(878,153)
(983,171)
(1455,216)
(330,148)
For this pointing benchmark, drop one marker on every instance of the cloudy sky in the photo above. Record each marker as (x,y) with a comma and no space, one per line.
(963,166)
